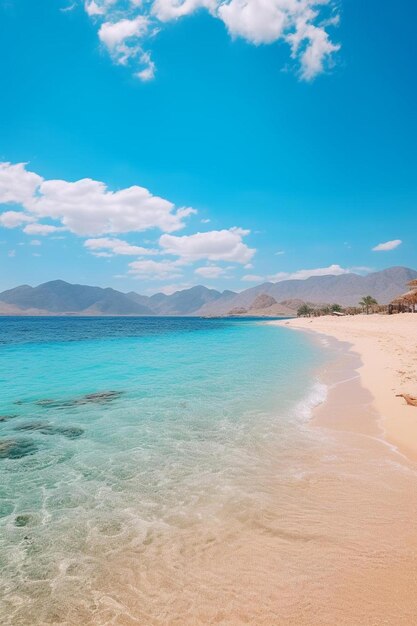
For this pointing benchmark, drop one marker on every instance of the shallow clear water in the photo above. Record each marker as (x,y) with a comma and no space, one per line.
(197,401)
(163,471)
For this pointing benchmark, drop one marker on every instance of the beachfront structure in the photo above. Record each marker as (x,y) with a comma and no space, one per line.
(407,302)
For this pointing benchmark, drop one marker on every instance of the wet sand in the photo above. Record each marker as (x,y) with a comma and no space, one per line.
(387,348)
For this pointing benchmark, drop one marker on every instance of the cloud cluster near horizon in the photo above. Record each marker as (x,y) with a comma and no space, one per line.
(99,217)
(126,27)
(331,270)
(387,245)
(88,209)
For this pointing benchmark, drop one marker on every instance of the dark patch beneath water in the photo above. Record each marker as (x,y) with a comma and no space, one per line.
(101,397)
(16,448)
(72,432)
(22,520)
(29,426)
(6,418)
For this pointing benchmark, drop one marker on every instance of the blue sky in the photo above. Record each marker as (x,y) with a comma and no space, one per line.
(230,148)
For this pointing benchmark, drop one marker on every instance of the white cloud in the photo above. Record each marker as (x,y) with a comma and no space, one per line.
(85,207)
(17,185)
(148,71)
(302,24)
(41,229)
(334,270)
(279,252)
(98,7)
(113,34)
(68,8)
(92,9)
(116,246)
(362,269)
(35,242)
(387,245)
(253,278)
(310,43)
(168,290)
(167,10)
(13,219)
(210,271)
(257,21)
(159,270)
(11,253)
(215,245)
(121,40)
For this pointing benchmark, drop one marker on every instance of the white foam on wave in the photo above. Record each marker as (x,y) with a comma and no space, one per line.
(323,341)
(316,396)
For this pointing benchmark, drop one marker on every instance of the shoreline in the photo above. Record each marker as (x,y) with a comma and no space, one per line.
(383,351)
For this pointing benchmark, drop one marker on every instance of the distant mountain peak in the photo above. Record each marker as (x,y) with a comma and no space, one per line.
(59,297)
(263,301)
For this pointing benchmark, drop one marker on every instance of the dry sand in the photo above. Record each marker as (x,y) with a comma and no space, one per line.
(387,347)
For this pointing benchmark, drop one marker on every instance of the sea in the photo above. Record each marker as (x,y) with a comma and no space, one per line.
(159,471)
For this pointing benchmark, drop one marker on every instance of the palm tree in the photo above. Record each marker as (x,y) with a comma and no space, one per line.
(367,302)
(304,311)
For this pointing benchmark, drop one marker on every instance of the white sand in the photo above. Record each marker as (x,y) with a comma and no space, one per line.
(387,345)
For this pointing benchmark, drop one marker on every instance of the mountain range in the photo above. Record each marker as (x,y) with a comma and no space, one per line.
(270,299)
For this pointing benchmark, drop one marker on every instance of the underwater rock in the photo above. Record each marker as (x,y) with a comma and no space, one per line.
(6,418)
(32,426)
(52,403)
(48,402)
(22,520)
(45,428)
(72,432)
(16,448)
(101,397)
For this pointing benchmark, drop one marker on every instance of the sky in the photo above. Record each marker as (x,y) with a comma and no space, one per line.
(155,145)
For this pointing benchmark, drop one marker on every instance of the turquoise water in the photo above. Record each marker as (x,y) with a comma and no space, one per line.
(120,437)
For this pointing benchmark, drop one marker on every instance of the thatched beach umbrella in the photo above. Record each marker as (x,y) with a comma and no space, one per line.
(406,300)
(410,296)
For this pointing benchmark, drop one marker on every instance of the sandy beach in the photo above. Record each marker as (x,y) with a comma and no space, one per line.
(387,349)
